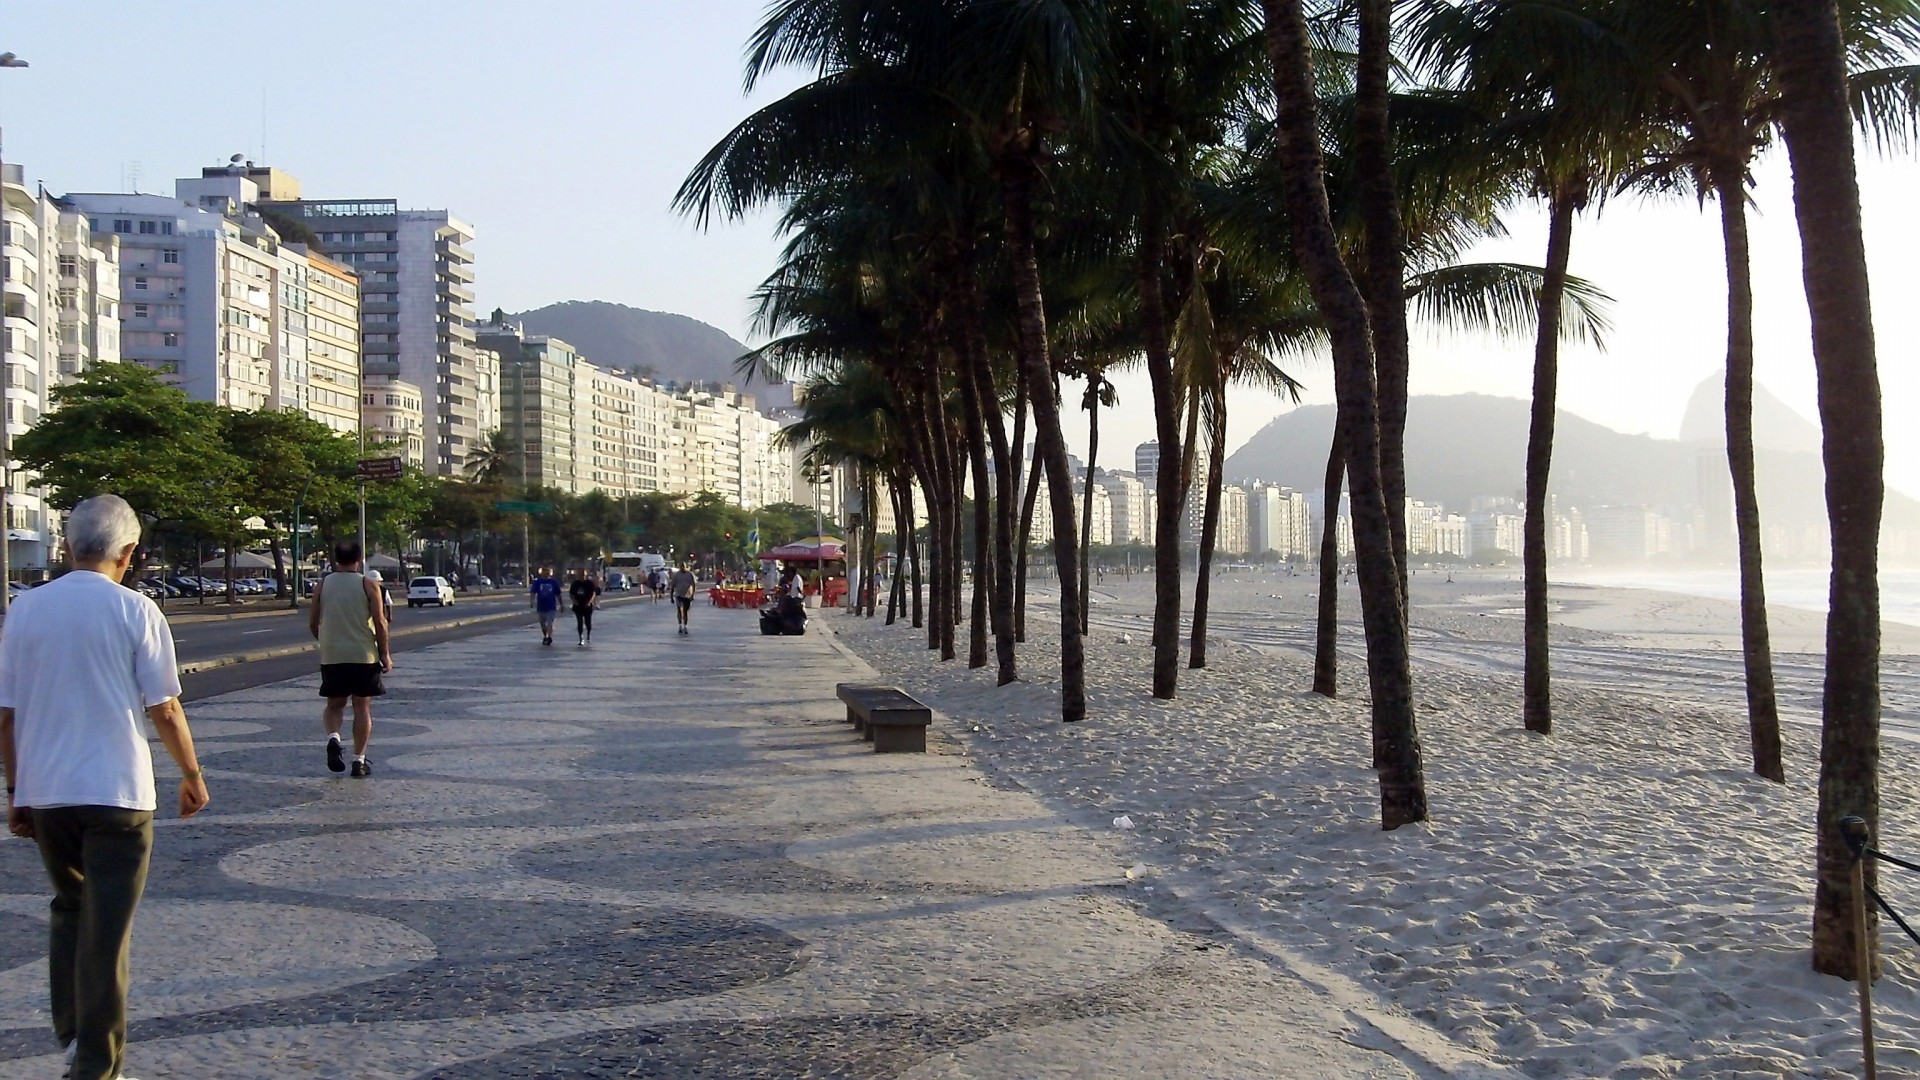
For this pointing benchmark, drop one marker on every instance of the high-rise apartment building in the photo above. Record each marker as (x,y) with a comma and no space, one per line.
(416,292)
(58,315)
(1146,462)
(1280,521)
(1233,532)
(221,305)
(542,404)
(333,342)
(1133,508)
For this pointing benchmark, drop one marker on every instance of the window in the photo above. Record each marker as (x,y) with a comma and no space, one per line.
(166,228)
(140,311)
(122,225)
(170,339)
(140,283)
(69,266)
(169,255)
(149,227)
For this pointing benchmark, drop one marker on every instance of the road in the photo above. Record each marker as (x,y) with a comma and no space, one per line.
(197,641)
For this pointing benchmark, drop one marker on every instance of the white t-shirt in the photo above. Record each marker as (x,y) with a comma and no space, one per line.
(81,660)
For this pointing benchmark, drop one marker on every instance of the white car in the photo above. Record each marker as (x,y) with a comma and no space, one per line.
(429,590)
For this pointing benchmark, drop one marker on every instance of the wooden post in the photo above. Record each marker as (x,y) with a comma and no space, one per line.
(1855,831)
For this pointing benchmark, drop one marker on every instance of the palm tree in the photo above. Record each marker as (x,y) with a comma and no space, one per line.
(1344,308)
(999,80)
(492,459)
(1534,76)
(1811,66)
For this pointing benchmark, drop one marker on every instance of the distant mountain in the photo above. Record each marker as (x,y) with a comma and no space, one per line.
(660,345)
(1469,445)
(1775,425)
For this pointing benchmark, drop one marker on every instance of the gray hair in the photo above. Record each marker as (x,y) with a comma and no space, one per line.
(101,528)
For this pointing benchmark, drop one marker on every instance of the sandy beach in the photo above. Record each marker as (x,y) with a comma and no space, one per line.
(1621,898)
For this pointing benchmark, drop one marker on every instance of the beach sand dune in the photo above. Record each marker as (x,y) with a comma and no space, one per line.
(1621,898)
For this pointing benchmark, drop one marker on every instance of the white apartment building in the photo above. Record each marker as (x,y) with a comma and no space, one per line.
(333,341)
(1233,535)
(1280,520)
(391,411)
(1133,507)
(58,316)
(716,440)
(215,302)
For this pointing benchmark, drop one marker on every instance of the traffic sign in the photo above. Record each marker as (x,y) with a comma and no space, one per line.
(633,530)
(381,468)
(515,506)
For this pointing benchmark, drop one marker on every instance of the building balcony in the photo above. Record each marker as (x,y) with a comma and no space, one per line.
(458,291)
(458,271)
(451,252)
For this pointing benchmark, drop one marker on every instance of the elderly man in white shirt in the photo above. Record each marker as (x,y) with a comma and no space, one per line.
(80,659)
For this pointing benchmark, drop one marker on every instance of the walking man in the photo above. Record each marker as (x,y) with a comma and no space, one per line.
(585,594)
(350,622)
(546,602)
(682,587)
(81,659)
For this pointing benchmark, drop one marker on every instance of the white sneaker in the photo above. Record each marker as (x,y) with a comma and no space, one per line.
(72,1049)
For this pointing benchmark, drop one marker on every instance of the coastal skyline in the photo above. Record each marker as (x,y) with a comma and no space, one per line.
(567,207)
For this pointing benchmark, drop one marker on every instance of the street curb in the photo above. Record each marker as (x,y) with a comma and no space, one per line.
(230,660)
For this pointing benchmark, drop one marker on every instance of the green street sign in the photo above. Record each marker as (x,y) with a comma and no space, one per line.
(514,506)
(632,530)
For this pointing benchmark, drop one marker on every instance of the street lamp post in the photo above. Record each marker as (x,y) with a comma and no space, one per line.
(7,60)
(299,576)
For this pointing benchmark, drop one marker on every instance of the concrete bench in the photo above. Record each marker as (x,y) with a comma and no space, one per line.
(893,722)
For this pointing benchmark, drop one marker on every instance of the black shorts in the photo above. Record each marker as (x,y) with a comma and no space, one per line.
(351,680)
(684,601)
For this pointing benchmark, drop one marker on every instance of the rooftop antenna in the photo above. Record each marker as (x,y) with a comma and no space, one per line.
(263,122)
(130,176)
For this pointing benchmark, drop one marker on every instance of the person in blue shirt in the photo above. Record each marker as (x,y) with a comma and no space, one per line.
(545,598)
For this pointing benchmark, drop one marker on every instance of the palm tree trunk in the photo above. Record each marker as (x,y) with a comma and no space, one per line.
(870,554)
(1763,713)
(1402,782)
(982,518)
(1017,174)
(1811,63)
(1536,697)
(1169,493)
(1326,642)
(896,594)
(956,550)
(913,553)
(1034,474)
(1209,525)
(1006,477)
(1086,496)
(1386,271)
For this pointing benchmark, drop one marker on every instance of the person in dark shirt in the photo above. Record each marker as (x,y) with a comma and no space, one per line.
(585,594)
(545,597)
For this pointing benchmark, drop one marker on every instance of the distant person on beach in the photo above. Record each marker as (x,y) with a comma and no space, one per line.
(81,659)
(350,622)
(585,594)
(544,595)
(682,587)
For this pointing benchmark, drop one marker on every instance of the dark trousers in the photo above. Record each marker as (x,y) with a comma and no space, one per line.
(583,621)
(96,857)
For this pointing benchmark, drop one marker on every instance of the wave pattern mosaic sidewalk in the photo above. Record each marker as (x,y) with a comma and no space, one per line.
(657,856)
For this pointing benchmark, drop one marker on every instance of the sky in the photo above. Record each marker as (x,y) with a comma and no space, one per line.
(560,131)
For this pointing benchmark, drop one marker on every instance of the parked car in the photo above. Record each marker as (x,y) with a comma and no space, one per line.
(429,590)
(618,582)
(187,584)
(266,586)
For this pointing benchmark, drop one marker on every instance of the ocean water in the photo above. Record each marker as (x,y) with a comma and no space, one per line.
(1795,587)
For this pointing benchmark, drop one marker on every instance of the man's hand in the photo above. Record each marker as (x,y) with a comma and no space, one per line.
(386,662)
(193,795)
(20,822)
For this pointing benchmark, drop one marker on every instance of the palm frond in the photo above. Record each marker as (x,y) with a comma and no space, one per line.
(1503,299)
